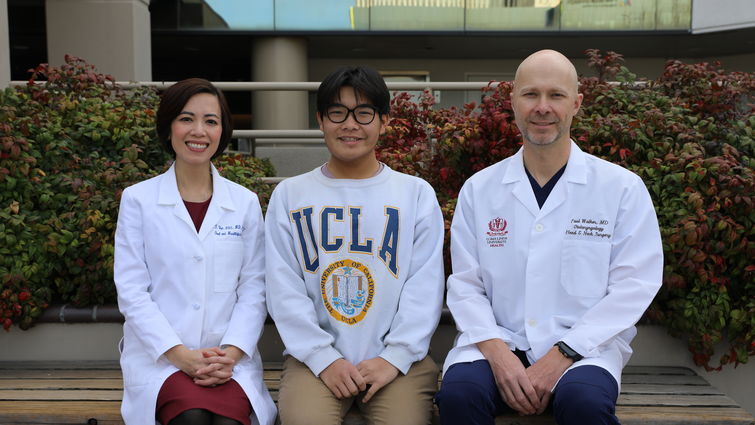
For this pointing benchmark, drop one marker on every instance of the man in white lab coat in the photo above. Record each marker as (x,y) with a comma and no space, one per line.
(556,254)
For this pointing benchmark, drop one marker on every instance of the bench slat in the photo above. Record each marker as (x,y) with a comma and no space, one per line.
(664,380)
(657,370)
(52,384)
(72,392)
(60,374)
(61,364)
(61,394)
(668,389)
(674,415)
(676,400)
(60,412)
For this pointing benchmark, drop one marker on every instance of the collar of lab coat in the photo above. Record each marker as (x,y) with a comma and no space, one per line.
(221,200)
(576,172)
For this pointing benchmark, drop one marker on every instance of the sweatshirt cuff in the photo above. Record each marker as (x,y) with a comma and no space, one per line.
(320,359)
(399,357)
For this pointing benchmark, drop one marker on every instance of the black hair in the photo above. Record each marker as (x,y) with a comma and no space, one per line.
(173,101)
(366,81)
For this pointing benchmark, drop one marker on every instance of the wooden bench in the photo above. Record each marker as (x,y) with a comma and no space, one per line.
(90,393)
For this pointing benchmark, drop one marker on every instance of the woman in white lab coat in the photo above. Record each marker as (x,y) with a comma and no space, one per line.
(189,270)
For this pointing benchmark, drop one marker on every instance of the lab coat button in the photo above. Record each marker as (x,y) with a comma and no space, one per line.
(539,227)
(198,258)
(532,322)
(195,306)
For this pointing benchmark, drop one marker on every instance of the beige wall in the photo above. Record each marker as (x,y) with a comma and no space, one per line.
(112,34)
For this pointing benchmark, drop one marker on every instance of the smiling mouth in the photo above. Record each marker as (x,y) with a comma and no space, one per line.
(197,147)
(350,140)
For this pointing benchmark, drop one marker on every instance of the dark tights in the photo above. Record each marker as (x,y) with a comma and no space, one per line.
(201,417)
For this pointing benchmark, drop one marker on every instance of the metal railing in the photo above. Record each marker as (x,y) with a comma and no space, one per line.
(298,85)
(313,85)
(292,137)
(298,137)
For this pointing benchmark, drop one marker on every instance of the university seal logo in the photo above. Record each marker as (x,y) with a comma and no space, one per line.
(497,227)
(497,235)
(347,289)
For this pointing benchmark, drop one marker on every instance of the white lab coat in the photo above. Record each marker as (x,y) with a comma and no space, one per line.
(177,286)
(582,269)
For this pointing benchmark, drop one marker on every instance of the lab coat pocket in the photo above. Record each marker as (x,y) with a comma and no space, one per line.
(228,258)
(584,267)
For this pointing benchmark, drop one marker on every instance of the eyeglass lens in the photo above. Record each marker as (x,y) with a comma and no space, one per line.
(363,114)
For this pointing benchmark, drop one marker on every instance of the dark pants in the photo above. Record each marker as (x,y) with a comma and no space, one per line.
(585,395)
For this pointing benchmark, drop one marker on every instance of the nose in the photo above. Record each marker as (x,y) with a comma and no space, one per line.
(198,127)
(542,106)
(351,120)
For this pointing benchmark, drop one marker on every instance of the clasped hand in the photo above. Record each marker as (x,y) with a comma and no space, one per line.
(207,366)
(526,390)
(345,380)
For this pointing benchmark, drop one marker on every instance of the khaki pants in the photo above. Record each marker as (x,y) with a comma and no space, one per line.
(408,400)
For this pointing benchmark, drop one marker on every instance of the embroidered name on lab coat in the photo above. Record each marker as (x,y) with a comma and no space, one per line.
(589,229)
(228,230)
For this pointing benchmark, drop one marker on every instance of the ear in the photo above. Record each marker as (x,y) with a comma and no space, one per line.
(384,119)
(578,102)
(319,121)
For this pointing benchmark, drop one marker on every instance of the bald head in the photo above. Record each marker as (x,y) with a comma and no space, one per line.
(550,61)
(545,99)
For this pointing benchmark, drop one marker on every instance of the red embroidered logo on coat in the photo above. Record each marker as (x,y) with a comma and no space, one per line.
(496,236)
(497,226)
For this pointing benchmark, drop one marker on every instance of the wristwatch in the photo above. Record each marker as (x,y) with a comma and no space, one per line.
(567,351)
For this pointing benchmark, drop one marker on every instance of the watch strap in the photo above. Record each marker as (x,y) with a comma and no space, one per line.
(567,351)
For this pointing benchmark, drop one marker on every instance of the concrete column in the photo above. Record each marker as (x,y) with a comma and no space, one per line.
(280,59)
(4,45)
(112,35)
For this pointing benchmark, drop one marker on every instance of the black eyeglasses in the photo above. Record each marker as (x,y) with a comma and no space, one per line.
(363,114)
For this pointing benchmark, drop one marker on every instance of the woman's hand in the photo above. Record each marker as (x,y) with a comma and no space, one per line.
(219,369)
(188,361)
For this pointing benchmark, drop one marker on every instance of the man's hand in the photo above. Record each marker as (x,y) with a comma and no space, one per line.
(377,372)
(343,379)
(545,373)
(510,377)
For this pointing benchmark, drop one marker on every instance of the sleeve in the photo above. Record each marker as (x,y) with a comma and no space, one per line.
(634,276)
(287,299)
(421,296)
(132,281)
(249,312)
(467,298)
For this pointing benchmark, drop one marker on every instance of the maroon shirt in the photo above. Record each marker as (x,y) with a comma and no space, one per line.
(197,211)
